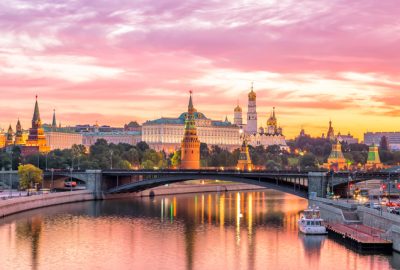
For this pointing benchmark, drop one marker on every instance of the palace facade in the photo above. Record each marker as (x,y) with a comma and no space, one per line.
(166,133)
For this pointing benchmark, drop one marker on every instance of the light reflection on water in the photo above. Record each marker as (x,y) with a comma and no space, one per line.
(236,230)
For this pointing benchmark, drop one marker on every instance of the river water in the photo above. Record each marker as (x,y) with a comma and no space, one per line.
(237,230)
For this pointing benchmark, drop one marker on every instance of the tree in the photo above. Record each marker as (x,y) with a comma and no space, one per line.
(29,176)
(176,159)
(308,162)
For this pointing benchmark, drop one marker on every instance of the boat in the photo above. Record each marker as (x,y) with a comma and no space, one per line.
(311,222)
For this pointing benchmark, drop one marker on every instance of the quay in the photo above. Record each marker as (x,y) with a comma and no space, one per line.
(360,237)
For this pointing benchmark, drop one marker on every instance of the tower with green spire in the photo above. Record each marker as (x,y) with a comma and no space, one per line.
(244,161)
(190,145)
(336,159)
(373,160)
(54,123)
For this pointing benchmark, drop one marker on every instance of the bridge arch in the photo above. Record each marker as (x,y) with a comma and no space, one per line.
(271,183)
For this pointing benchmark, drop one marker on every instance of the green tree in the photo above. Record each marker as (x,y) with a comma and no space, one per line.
(176,159)
(308,162)
(29,175)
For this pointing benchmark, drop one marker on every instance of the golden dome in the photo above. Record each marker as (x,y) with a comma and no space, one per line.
(252,95)
(238,109)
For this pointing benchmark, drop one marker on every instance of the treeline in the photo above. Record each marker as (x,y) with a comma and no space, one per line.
(305,154)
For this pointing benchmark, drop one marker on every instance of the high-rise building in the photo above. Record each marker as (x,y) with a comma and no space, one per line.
(190,147)
(251,126)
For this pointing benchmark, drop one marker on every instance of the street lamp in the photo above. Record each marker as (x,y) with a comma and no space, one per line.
(52,179)
(389,184)
(348,188)
(111,159)
(46,161)
(70,179)
(11,160)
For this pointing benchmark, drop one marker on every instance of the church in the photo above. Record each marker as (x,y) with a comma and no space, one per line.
(256,136)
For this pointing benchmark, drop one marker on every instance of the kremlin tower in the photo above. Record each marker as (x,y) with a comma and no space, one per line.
(36,140)
(336,160)
(9,136)
(244,161)
(373,161)
(251,127)
(190,146)
(19,140)
(54,123)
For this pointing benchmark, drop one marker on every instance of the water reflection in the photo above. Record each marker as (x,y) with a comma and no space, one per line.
(240,230)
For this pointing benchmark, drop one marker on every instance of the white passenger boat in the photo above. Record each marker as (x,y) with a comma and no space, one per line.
(311,222)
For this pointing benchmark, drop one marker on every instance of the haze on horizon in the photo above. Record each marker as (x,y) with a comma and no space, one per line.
(118,61)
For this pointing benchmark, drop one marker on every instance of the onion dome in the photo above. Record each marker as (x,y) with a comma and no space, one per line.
(238,109)
(252,95)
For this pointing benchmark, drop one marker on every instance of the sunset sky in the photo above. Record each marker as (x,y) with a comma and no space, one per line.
(122,60)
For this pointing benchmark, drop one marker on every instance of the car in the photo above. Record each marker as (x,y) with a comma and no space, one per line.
(70,184)
(394,210)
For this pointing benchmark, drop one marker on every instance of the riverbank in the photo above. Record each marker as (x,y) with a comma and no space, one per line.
(21,204)
(341,212)
(175,189)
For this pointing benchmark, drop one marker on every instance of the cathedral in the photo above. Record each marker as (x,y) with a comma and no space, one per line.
(256,136)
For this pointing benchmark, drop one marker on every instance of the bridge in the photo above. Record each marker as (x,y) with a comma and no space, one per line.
(296,183)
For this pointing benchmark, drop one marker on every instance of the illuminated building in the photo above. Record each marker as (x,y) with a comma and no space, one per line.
(190,147)
(165,134)
(271,135)
(336,160)
(128,137)
(36,141)
(62,140)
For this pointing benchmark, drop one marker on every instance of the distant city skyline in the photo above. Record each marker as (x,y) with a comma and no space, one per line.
(314,61)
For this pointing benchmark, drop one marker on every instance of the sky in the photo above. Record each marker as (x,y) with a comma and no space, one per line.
(122,60)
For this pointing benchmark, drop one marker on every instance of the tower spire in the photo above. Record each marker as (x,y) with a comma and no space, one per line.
(36,114)
(54,123)
(190,107)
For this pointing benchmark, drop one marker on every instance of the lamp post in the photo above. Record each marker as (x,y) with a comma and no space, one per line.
(111,159)
(70,179)
(389,184)
(46,161)
(52,179)
(348,187)
(10,183)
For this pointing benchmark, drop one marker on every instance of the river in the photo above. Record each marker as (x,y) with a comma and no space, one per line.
(236,230)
